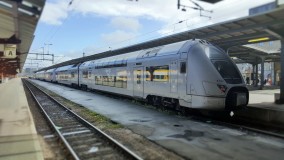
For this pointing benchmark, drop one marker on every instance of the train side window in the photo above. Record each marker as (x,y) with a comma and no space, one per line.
(89,74)
(72,74)
(157,73)
(85,74)
(182,67)
(138,77)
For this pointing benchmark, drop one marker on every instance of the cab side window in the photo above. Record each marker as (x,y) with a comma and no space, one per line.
(183,67)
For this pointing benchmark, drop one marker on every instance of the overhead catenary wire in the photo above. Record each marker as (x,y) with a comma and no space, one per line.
(175,30)
(53,31)
(168,32)
(64,21)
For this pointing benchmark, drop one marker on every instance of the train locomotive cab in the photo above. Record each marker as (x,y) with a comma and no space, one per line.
(214,80)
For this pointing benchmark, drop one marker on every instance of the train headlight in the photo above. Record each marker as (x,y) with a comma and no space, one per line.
(222,88)
(207,52)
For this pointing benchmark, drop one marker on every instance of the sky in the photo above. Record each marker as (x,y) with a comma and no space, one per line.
(93,26)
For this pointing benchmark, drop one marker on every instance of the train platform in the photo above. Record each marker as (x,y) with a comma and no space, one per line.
(18,136)
(262,106)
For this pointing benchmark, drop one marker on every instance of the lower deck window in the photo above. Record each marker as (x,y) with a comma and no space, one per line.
(85,74)
(157,73)
(112,81)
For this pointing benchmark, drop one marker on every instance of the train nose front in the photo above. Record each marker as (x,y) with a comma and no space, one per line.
(237,98)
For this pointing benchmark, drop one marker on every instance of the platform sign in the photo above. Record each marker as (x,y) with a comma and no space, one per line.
(10,51)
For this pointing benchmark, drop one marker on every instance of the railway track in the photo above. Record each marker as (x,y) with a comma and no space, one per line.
(222,118)
(81,139)
(243,124)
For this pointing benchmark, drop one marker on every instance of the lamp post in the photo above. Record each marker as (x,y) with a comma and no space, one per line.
(42,52)
(48,44)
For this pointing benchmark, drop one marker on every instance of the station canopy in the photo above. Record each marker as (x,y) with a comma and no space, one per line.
(18,20)
(232,36)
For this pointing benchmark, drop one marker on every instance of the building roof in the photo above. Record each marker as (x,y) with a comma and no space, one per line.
(18,21)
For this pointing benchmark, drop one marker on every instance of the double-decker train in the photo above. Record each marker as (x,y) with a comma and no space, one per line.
(192,73)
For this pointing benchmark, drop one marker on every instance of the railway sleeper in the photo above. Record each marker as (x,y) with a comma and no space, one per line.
(58,117)
(73,126)
(93,141)
(110,156)
(100,152)
(69,123)
(81,147)
(86,147)
(80,136)
(74,129)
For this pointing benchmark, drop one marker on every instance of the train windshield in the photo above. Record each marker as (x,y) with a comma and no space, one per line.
(224,65)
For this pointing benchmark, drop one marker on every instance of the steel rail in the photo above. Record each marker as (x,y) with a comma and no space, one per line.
(131,154)
(225,122)
(251,129)
(67,145)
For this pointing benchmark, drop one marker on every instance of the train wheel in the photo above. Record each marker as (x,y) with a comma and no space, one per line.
(156,101)
(84,87)
(181,110)
(150,100)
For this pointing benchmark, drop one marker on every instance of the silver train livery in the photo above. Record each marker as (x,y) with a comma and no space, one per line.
(192,73)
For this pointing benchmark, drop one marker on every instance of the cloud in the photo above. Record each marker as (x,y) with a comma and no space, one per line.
(222,11)
(54,13)
(118,38)
(161,10)
(109,41)
(126,17)
(124,23)
(150,9)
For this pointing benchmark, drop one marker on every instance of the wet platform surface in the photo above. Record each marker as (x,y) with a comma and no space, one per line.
(262,108)
(18,136)
(189,138)
(265,99)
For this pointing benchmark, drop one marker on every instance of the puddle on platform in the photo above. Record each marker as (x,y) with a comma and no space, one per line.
(217,139)
(189,135)
(140,120)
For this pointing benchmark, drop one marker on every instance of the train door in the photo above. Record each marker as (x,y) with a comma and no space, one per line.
(173,76)
(78,75)
(182,78)
(138,82)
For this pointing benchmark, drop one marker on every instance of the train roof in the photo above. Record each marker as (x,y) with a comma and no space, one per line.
(64,68)
(122,59)
(119,59)
(50,70)
(164,50)
(141,54)
(41,71)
